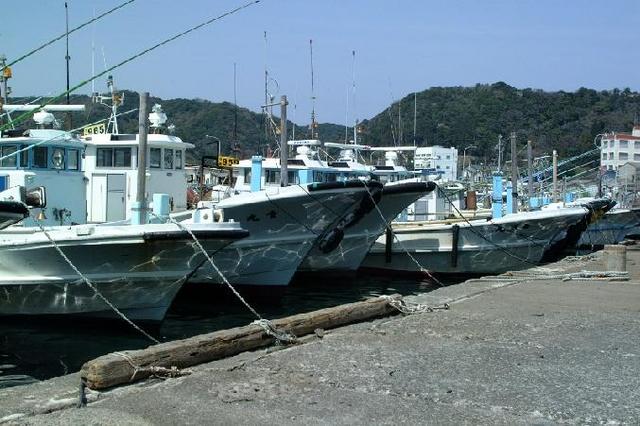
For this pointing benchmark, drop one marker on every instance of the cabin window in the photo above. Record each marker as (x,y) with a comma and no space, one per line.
(72,159)
(272,176)
(24,157)
(636,157)
(40,157)
(57,158)
(293,178)
(623,156)
(247,175)
(168,159)
(624,144)
(9,161)
(104,157)
(155,158)
(331,177)
(178,159)
(122,157)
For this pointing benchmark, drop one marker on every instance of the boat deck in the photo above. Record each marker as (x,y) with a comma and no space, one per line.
(536,351)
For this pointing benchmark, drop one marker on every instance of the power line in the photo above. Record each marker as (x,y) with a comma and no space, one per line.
(131,58)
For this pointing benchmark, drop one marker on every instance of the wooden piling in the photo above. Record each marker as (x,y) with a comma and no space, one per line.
(129,366)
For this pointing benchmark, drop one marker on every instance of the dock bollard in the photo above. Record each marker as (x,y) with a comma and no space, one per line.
(615,258)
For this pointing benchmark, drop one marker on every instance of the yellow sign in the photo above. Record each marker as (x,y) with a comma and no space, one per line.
(227,161)
(98,129)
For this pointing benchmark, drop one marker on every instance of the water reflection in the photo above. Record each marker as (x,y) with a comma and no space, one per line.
(38,349)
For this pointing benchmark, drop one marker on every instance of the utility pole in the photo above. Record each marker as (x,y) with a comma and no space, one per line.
(514,173)
(530,170)
(499,153)
(555,176)
(139,216)
(284,148)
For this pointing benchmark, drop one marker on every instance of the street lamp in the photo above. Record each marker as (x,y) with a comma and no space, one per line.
(464,155)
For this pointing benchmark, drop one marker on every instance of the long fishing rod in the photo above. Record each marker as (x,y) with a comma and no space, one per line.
(66,33)
(131,58)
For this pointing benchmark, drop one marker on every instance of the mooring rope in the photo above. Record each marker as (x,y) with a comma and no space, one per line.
(92,286)
(390,228)
(281,336)
(410,308)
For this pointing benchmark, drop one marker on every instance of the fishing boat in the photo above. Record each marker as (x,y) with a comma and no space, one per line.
(359,238)
(307,166)
(137,269)
(512,242)
(612,228)
(285,223)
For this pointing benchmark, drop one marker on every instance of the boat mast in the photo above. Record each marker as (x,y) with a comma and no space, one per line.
(313,125)
(353,90)
(67,58)
(235,108)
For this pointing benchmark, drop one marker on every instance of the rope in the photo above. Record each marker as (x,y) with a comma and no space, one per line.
(28,114)
(92,286)
(280,335)
(37,49)
(410,308)
(161,372)
(479,234)
(413,259)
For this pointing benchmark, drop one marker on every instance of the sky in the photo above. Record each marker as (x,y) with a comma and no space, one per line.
(401,47)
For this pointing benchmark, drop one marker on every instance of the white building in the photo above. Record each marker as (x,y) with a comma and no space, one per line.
(438,159)
(617,149)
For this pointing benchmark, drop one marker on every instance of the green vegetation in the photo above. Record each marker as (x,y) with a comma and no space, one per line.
(463,116)
(448,116)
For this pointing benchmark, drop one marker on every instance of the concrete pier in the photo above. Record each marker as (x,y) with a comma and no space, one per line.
(508,351)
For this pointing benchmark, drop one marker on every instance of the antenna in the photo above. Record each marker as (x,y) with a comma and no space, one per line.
(93,53)
(235,107)
(353,89)
(312,126)
(266,96)
(67,58)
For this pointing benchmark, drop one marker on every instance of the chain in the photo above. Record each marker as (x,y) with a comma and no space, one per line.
(92,286)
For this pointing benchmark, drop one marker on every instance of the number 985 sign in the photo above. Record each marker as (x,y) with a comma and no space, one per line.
(227,161)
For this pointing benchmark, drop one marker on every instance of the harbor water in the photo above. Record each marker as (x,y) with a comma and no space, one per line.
(38,349)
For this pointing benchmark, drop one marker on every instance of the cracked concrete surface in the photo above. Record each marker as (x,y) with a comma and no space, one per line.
(537,352)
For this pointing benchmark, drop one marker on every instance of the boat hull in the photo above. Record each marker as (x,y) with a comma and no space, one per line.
(486,247)
(612,228)
(284,226)
(137,272)
(359,237)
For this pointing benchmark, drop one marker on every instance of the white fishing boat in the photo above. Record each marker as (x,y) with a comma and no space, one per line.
(285,223)
(612,228)
(512,242)
(359,237)
(136,268)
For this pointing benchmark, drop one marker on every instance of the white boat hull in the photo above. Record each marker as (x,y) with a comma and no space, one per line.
(138,269)
(359,237)
(283,227)
(488,247)
(612,228)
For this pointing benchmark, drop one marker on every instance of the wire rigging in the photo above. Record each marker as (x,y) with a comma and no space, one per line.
(28,114)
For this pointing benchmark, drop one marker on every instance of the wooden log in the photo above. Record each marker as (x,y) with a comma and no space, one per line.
(129,366)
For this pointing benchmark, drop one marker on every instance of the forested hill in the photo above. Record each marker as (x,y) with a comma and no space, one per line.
(448,116)
(463,116)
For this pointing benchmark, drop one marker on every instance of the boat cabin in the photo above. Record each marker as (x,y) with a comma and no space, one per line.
(46,157)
